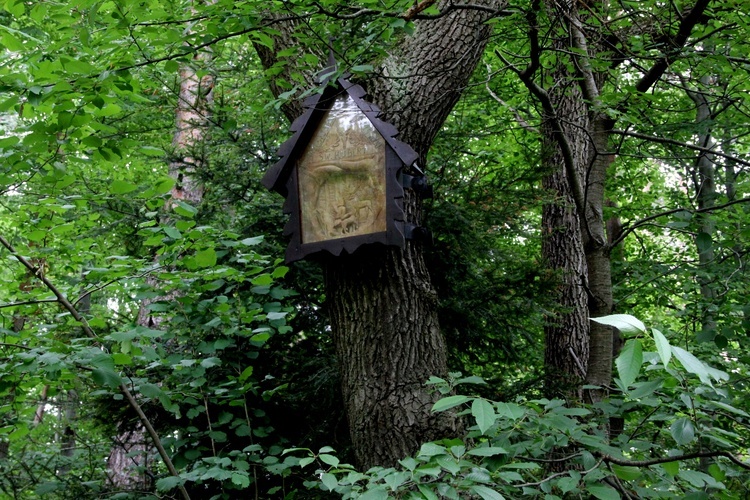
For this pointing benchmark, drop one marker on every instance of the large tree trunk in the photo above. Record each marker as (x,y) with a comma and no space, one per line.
(566,350)
(383,307)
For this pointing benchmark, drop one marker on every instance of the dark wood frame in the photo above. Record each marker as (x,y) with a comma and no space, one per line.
(282,176)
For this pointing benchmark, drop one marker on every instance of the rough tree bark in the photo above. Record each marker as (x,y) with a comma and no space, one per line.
(579,134)
(382,304)
(566,348)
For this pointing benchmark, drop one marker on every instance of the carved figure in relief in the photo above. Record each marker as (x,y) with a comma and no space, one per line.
(341,177)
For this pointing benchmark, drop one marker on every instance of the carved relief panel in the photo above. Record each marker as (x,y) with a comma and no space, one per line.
(342,188)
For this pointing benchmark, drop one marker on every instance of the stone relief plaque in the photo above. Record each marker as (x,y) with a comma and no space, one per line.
(341,176)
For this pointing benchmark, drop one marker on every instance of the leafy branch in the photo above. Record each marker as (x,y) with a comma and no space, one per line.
(663,460)
(627,230)
(65,303)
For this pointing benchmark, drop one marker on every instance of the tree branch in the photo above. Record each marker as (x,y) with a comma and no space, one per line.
(642,222)
(665,140)
(27,302)
(64,302)
(656,461)
(688,22)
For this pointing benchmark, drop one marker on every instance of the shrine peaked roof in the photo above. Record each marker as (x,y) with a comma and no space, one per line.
(303,128)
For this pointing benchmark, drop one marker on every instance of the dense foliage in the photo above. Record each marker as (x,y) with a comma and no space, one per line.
(235,369)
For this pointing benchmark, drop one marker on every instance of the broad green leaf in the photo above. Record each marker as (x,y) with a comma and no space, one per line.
(629,361)
(374,494)
(484,414)
(662,346)
(150,390)
(683,431)
(703,242)
(172,232)
(151,151)
(260,337)
(623,322)
(692,364)
(489,451)
(510,410)
(163,186)
(486,493)
(263,279)
(450,402)
(628,473)
(671,468)
(184,209)
(329,459)
(431,449)
(121,187)
(246,373)
(241,479)
(603,492)
(643,389)
(167,483)
(427,492)
(206,257)
(106,377)
(329,481)
(728,408)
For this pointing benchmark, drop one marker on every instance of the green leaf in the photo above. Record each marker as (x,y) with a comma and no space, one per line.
(172,232)
(260,337)
(629,362)
(240,479)
(206,257)
(671,468)
(683,431)
(510,410)
(489,451)
(106,377)
(623,322)
(151,151)
(184,209)
(329,481)
(246,373)
(604,492)
(643,389)
(121,187)
(728,408)
(662,346)
(167,483)
(263,279)
(692,364)
(374,494)
(703,242)
(449,402)
(486,493)
(484,414)
(431,450)
(329,459)
(628,473)
(150,390)
(427,492)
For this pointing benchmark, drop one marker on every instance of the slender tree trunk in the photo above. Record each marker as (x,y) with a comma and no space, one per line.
(595,240)
(382,305)
(132,453)
(705,195)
